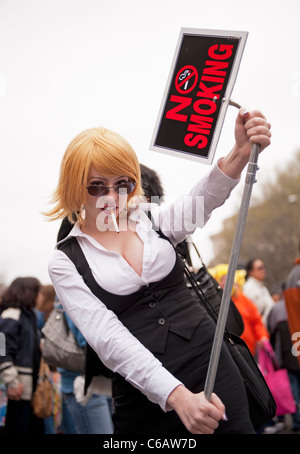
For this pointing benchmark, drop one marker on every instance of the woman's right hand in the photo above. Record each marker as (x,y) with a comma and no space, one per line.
(15,392)
(199,415)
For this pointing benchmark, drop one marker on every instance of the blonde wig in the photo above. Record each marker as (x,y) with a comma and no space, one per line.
(108,153)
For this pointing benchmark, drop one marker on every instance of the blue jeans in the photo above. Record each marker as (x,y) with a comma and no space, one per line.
(92,418)
(67,425)
(294,376)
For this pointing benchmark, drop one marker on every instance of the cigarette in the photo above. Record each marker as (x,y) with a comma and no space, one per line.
(114,221)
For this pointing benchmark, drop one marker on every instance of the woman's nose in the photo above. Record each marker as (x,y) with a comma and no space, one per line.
(111,190)
(112,194)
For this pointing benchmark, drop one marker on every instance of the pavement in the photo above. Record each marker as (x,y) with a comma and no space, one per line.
(281,427)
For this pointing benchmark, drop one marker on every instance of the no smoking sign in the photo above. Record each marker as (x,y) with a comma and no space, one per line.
(203,74)
(186,79)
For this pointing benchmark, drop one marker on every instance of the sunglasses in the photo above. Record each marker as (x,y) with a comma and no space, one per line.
(100,190)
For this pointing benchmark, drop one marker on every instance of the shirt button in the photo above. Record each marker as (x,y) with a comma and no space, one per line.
(161,321)
(152,304)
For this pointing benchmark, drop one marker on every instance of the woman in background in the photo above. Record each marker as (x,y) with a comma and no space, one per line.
(19,367)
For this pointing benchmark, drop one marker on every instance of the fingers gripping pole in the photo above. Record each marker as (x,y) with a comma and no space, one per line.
(236,246)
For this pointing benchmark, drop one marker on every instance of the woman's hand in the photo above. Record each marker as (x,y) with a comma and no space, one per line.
(250,127)
(15,392)
(197,414)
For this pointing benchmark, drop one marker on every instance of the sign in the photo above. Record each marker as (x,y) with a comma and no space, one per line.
(198,91)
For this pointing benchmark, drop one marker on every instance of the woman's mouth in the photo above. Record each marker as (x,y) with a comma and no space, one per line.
(109,209)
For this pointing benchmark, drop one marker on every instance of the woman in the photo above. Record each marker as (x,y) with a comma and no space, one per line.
(255,290)
(143,323)
(19,367)
(45,304)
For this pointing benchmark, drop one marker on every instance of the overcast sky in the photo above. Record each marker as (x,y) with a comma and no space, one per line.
(67,65)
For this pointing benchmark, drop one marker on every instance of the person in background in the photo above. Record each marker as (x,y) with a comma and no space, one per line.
(45,303)
(255,331)
(151,184)
(20,365)
(92,418)
(255,290)
(292,302)
(43,308)
(282,345)
(276,294)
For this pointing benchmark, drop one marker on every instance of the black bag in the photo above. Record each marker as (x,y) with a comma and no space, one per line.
(213,292)
(209,286)
(262,406)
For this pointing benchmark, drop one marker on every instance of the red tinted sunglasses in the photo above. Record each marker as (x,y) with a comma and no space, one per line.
(100,190)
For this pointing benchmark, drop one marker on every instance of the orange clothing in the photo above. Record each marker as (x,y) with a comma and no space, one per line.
(254,328)
(292,303)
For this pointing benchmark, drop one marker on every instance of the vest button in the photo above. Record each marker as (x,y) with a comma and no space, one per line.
(161,321)
(148,293)
(152,304)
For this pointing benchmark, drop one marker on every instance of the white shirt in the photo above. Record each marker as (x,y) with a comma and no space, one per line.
(259,295)
(118,349)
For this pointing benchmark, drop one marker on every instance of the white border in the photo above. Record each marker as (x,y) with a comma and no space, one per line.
(235,67)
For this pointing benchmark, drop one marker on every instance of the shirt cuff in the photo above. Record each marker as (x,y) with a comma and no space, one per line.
(163,382)
(9,373)
(219,181)
(216,184)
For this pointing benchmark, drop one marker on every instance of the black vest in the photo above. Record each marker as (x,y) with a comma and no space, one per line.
(149,313)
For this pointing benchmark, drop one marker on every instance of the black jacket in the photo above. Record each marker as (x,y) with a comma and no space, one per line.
(22,354)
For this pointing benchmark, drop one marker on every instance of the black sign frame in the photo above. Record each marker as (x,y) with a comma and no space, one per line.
(198,90)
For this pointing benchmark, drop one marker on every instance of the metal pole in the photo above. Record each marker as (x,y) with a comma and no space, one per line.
(236,246)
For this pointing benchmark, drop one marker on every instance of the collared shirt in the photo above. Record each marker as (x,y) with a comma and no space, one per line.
(118,349)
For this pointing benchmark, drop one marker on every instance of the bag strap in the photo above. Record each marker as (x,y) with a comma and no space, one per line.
(205,301)
(199,292)
(196,287)
(72,249)
(268,357)
(44,369)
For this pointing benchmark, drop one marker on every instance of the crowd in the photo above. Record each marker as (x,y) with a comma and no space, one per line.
(26,305)
(117,303)
(268,324)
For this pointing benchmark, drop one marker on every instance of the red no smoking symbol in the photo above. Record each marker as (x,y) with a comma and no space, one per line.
(186,79)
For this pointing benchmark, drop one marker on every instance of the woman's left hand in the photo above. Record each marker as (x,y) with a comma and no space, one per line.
(251,127)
